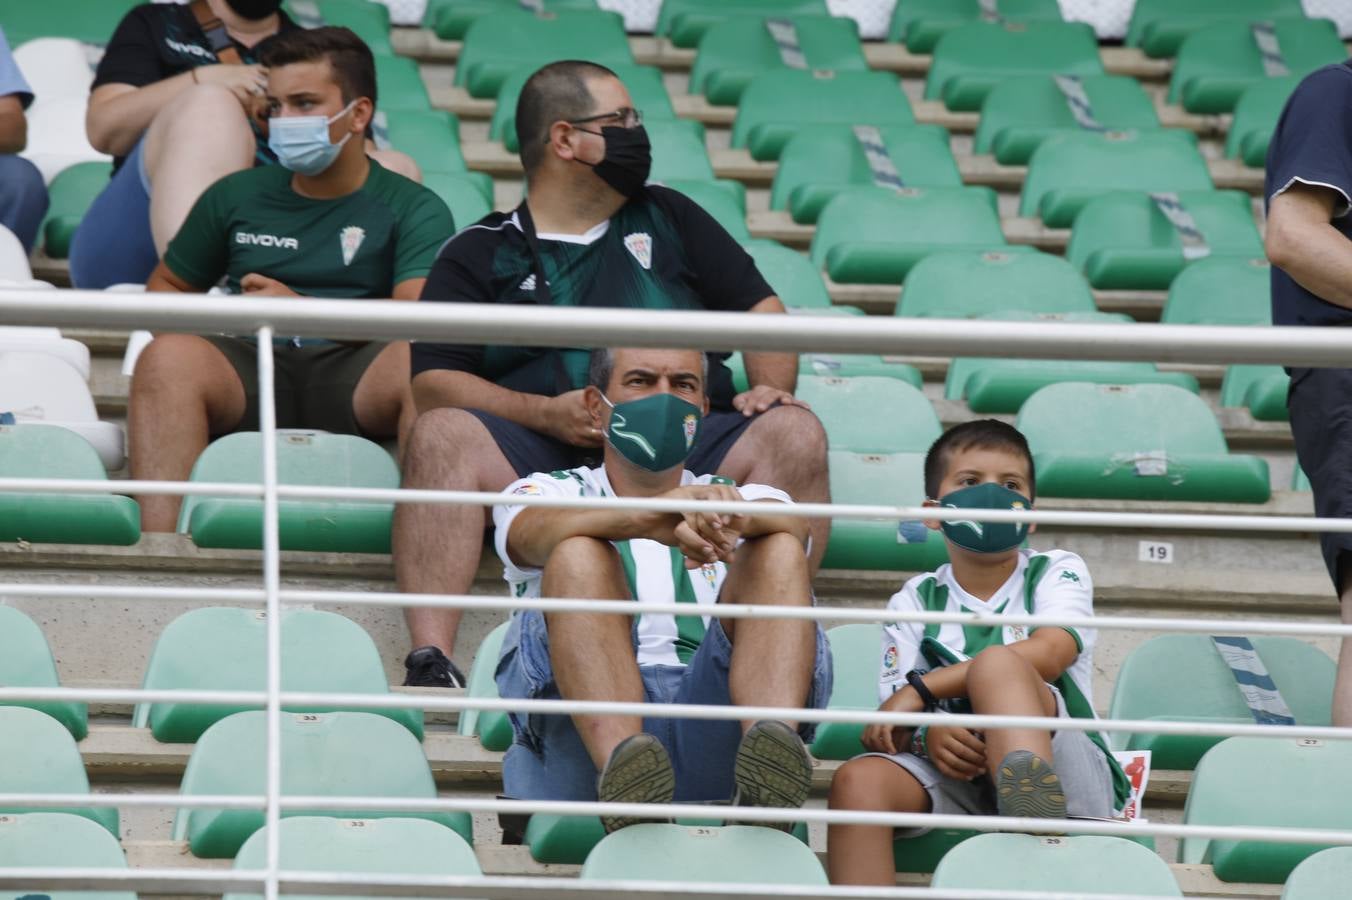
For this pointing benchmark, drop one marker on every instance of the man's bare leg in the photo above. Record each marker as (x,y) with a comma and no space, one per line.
(199,138)
(383,400)
(786,448)
(183,390)
(437,546)
(592,654)
(1342,686)
(862,854)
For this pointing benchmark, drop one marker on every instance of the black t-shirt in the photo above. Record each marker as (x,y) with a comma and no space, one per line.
(156,41)
(1313,145)
(660,251)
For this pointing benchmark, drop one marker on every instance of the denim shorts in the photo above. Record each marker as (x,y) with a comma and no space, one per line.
(547,759)
(113,244)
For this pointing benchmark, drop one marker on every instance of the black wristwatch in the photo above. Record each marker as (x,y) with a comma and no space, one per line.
(914,679)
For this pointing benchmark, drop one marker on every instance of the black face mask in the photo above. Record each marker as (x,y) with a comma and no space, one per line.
(254,9)
(628,159)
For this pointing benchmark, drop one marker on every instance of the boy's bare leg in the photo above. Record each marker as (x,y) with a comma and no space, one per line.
(1342,685)
(862,854)
(1001,682)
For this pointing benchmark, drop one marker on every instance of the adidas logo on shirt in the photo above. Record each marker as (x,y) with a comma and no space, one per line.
(528,284)
(267,240)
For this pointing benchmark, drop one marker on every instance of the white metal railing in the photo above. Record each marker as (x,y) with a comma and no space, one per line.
(463,323)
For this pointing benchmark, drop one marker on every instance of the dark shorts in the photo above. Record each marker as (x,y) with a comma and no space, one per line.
(1320,401)
(530,451)
(314,383)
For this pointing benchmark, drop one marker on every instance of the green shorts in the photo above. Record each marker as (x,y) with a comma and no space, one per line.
(314,383)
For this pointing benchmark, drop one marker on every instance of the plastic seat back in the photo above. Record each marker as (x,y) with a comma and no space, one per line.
(855,668)
(1147,688)
(1323,874)
(56,136)
(36,387)
(1262,389)
(960,285)
(323,754)
(778,104)
(13,259)
(730,854)
(224,649)
(679,152)
(60,840)
(685,22)
(1020,113)
(1221,291)
(450,19)
(26,661)
(920,23)
(735,51)
(431,137)
(867,414)
(87,21)
(40,757)
(46,451)
(972,59)
(370,21)
(492,727)
(48,341)
(499,43)
(400,85)
(1025,862)
(791,274)
(644,84)
(54,67)
(894,478)
(1256,113)
(1159,26)
(724,200)
(70,194)
(1215,64)
(467,194)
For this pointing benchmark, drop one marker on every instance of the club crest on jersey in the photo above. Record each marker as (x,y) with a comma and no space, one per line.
(710,574)
(350,238)
(690,424)
(640,246)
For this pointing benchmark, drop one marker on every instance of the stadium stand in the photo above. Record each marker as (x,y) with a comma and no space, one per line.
(450,19)
(732,53)
(1159,27)
(921,23)
(685,22)
(972,59)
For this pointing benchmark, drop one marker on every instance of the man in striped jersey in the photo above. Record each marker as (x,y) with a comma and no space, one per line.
(649,404)
(1013,670)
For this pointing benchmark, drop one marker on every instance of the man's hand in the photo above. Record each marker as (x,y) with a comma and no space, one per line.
(703,537)
(762,397)
(567,419)
(263,286)
(892,738)
(956,752)
(247,83)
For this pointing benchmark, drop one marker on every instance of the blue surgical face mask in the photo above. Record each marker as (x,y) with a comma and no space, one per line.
(302,142)
(985,537)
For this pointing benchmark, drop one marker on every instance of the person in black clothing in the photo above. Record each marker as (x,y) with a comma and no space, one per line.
(590,233)
(1309,243)
(176,111)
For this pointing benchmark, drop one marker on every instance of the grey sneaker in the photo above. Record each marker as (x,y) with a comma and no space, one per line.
(773,768)
(1027,786)
(638,771)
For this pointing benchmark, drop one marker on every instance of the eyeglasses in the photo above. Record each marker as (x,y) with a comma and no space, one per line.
(626,116)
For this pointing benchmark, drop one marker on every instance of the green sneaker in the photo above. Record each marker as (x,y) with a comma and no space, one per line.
(1027,786)
(638,771)
(773,768)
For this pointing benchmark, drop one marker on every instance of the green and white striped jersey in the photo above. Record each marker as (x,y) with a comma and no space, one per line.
(1052,583)
(655,572)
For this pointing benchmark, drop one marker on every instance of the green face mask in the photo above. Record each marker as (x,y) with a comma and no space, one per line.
(655,432)
(985,537)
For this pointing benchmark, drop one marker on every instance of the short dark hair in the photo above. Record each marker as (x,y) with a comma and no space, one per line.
(354,68)
(556,92)
(601,368)
(981,434)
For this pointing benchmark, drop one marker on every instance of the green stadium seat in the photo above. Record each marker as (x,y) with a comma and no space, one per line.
(1070,169)
(972,59)
(1262,389)
(1216,64)
(1299,480)
(962,285)
(225,649)
(836,365)
(346,754)
(1221,291)
(819,162)
(47,451)
(779,104)
(367,846)
(643,82)
(1026,862)
(1121,241)
(731,854)
(1020,113)
(59,840)
(896,479)
(685,22)
(1323,874)
(468,194)
(570,840)
(1159,26)
(400,85)
(735,51)
(71,192)
(920,23)
(1001,385)
(1147,688)
(26,661)
(722,199)
(491,727)
(40,757)
(849,411)
(431,137)
(450,19)
(1256,114)
(790,273)
(1135,442)
(679,152)
(499,43)
(341,526)
(89,21)
(875,235)
(371,21)
(855,653)
(1269,783)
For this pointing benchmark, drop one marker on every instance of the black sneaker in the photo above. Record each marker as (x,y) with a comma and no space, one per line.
(429,667)
(773,768)
(638,771)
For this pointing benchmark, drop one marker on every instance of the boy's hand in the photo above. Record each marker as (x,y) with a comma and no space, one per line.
(956,752)
(892,738)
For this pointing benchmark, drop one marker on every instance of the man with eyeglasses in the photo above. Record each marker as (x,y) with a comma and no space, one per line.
(591,232)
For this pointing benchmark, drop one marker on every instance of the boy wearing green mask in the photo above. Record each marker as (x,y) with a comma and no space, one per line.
(993,670)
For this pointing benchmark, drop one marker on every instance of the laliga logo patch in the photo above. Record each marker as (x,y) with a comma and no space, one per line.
(640,246)
(350,238)
(890,657)
(689,425)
